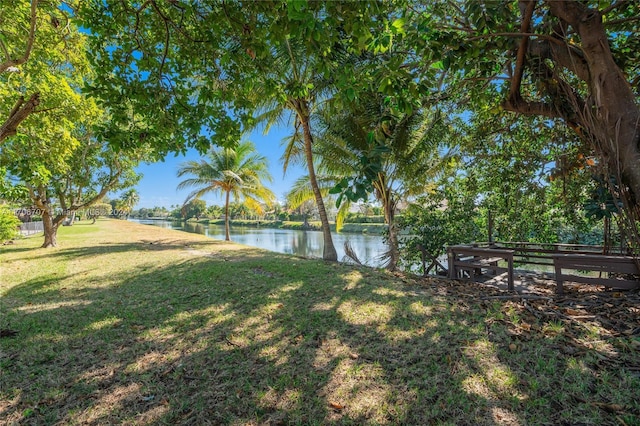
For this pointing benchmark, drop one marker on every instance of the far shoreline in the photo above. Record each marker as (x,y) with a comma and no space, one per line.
(351,228)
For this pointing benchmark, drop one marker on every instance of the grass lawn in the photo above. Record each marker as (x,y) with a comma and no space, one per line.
(132,324)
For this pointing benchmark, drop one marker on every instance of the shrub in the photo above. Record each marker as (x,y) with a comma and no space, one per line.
(433,223)
(365,228)
(8,224)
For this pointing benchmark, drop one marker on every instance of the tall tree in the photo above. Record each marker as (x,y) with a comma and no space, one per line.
(295,88)
(239,172)
(128,201)
(195,208)
(59,187)
(530,173)
(57,155)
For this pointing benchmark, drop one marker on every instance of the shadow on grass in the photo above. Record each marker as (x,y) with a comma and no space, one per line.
(277,340)
(112,248)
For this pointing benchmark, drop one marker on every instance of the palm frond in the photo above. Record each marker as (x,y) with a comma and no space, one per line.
(350,253)
(294,150)
(300,192)
(342,214)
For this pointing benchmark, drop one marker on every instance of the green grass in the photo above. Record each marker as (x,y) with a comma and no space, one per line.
(131,324)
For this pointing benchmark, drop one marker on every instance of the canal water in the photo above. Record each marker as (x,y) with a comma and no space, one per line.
(368,248)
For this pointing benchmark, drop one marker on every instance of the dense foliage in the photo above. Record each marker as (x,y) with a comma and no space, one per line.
(37,40)
(446,216)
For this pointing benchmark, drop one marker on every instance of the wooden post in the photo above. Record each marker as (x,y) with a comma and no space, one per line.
(450,259)
(510,285)
(559,280)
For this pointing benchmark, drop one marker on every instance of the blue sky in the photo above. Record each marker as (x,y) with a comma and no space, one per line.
(158,184)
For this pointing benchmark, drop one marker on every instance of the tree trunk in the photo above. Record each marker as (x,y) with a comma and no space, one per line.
(227,236)
(51,225)
(607,236)
(384,195)
(609,117)
(489,226)
(616,116)
(394,254)
(329,250)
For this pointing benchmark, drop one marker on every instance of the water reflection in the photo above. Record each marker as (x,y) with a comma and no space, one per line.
(368,248)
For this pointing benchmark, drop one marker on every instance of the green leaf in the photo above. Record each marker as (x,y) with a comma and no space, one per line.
(438,65)
(384,84)
(398,25)
(446,62)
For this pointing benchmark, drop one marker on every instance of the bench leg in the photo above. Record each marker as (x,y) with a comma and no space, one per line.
(467,272)
(510,285)
(494,271)
(559,281)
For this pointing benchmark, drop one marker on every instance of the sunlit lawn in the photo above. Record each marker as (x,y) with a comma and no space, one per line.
(132,324)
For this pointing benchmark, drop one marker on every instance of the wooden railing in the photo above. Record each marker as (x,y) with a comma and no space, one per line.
(622,268)
(620,271)
(541,254)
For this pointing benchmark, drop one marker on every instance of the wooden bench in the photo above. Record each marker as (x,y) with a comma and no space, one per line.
(474,259)
(599,263)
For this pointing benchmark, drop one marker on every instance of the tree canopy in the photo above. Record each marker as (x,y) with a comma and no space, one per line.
(36,38)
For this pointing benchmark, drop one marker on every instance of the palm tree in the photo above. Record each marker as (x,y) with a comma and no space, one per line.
(293,72)
(128,201)
(410,158)
(238,171)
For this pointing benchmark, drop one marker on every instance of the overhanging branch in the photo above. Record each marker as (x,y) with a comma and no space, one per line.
(615,6)
(565,55)
(19,113)
(514,92)
(531,108)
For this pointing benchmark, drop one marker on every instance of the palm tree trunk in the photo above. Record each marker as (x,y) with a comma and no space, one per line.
(227,237)
(394,254)
(389,206)
(329,250)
